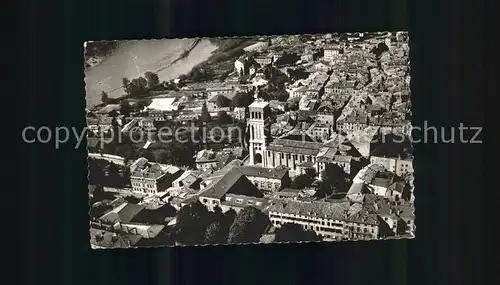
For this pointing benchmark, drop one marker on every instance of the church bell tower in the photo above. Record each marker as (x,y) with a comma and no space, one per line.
(259,126)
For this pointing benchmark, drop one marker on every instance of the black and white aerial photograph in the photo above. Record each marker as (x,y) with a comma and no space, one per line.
(247,140)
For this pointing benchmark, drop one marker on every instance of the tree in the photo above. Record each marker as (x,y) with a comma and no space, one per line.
(310,172)
(224,75)
(262,94)
(229,216)
(242,99)
(297,74)
(281,95)
(125,83)
(96,172)
(224,118)
(191,224)
(301,181)
(152,79)
(125,108)
(205,115)
(304,180)
(157,216)
(138,86)
(292,105)
(165,156)
(142,104)
(214,234)
(248,226)
(295,233)
(113,174)
(334,180)
(104,97)
(99,195)
(218,229)
(113,114)
(201,73)
(269,72)
(287,59)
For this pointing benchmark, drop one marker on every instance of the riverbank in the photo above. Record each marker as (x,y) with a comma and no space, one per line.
(132,58)
(97,52)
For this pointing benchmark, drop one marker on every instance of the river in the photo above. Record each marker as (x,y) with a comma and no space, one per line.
(132,58)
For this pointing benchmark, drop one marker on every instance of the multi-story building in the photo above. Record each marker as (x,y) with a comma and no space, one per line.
(209,159)
(297,92)
(228,180)
(151,178)
(239,202)
(157,115)
(147,124)
(322,132)
(326,118)
(264,60)
(239,113)
(352,123)
(241,66)
(338,88)
(331,52)
(330,220)
(221,90)
(267,179)
(364,225)
(326,219)
(213,103)
(381,182)
(399,165)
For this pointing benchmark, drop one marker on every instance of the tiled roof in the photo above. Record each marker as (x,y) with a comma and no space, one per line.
(107,239)
(368,173)
(222,184)
(123,213)
(358,188)
(382,179)
(153,171)
(381,182)
(205,155)
(406,211)
(334,211)
(245,201)
(398,186)
(295,146)
(259,104)
(364,217)
(256,171)
(139,163)
(354,209)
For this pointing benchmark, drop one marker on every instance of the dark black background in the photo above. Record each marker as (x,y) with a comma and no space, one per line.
(448,61)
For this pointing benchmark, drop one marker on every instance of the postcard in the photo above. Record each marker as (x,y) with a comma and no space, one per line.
(248,140)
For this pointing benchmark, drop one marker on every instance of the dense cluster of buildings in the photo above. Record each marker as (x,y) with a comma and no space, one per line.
(355,88)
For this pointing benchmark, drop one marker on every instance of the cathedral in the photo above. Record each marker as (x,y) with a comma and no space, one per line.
(296,150)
